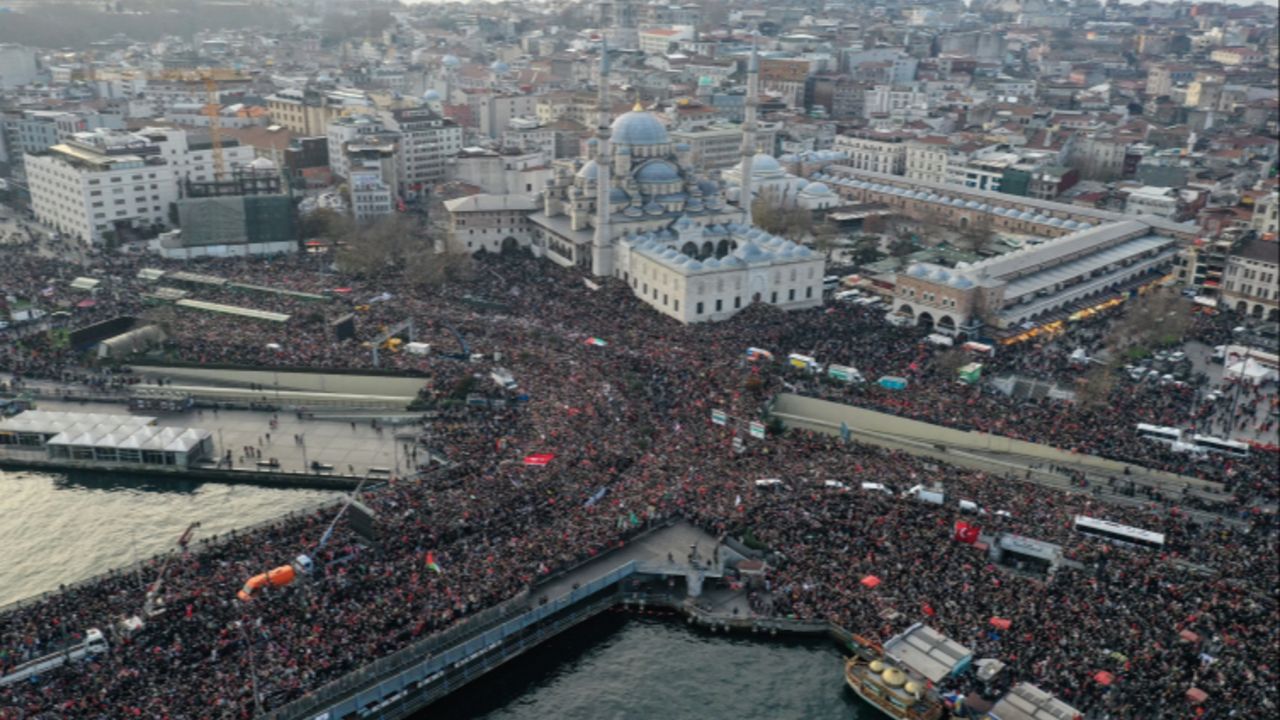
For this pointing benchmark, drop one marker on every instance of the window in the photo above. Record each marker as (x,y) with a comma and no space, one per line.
(699,308)
(773,297)
(791,294)
(719,305)
(808,292)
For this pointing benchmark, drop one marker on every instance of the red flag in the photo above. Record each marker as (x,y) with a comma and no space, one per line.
(539,459)
(928,610)
(966,533)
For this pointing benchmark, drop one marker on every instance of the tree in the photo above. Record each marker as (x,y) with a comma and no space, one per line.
(324,223)
(901,247)
(380,247)
(980,233)
(1156,318)
(950,362)
(793,223)
(1096,385)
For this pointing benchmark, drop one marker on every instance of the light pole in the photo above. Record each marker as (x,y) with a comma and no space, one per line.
(253,671)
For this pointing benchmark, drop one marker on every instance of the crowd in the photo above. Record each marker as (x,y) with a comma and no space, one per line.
(628,423)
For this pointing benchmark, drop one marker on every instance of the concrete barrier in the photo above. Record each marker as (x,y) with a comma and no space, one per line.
(826,416)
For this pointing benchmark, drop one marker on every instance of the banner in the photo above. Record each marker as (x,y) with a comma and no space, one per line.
(538,459)
(719,417)
(757,430)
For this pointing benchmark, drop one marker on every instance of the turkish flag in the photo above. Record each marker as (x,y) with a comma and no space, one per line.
(966,533)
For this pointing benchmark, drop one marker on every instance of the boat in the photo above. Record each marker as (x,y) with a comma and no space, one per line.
(889,688)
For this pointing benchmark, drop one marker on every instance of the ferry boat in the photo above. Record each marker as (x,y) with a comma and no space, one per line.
(888,688)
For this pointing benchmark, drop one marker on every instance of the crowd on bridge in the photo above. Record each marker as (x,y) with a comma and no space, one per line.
(621,399)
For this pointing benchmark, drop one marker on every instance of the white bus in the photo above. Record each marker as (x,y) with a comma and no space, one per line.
(1160,433)
(94,643)
(1211,444)
(1118,533)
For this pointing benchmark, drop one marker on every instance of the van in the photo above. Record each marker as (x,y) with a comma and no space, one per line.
(970,506)
(898,320)
(830,282)
(503,379)
(803,362)
(876,487)
(847,295)
(934,497)
(940,339)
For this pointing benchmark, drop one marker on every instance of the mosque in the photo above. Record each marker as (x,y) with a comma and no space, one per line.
(638,211)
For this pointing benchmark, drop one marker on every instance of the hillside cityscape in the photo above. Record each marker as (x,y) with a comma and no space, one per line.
(943,334)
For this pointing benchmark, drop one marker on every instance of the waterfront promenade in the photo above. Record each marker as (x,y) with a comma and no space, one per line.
(345,449)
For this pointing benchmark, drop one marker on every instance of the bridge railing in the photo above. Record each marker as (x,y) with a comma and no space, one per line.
(458,645)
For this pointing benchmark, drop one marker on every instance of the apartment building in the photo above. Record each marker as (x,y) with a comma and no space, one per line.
(428,142)
(718,146)
(99,185)
(882,152)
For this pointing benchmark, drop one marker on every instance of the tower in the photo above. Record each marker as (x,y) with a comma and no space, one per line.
(749,130)
(601,242)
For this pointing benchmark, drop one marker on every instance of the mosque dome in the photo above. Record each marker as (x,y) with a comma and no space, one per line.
(763,164)
(589,171)
(638,128)
(657,171)
(450,61)
(499,67)
(817,188)
(917,270)
(431,96)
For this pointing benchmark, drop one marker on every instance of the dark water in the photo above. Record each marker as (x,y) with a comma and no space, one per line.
(623,667)
(55,529)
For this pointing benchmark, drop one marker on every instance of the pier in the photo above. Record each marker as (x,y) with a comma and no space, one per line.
(335,453)
(652,570)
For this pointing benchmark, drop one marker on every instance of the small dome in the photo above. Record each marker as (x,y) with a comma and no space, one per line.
(763,165)
(589,170)
(961,282)
(431,96)
(657,171)
(957,202)
(639,128)
(618,195)
(1071,225)
(941,275)
(654,208)
(693,266)
(817,189)
(876,666)
(633,212)
(450,61)
(711,264)
(973,205)
(499,67)
(1026,216)
(893,677)
(1056,222)
(917,270)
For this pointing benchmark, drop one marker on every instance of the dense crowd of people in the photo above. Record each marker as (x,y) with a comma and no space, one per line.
(629,425)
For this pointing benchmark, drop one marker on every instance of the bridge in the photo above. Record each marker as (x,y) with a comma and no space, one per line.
(407,681)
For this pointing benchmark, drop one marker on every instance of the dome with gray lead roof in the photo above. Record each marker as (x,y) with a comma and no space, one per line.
(638,128)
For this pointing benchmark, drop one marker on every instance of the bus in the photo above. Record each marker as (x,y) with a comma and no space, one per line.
(1117,533)
(1160,433)
(1219,445)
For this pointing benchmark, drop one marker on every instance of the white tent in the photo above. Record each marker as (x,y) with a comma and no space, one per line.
(1251,370)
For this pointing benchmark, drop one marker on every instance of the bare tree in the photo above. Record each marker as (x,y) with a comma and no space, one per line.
(1156,318)
(1094,389)
(950,362)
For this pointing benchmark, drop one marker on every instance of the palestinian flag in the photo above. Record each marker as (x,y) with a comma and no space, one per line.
(432,565)
(596,341)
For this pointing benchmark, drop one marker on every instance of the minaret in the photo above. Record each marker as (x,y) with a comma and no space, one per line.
(602,243)
(749,131)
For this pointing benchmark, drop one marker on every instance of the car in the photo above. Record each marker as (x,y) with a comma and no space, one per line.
(1177,357)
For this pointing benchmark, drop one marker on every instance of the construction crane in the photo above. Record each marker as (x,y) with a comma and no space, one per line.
(210,77)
